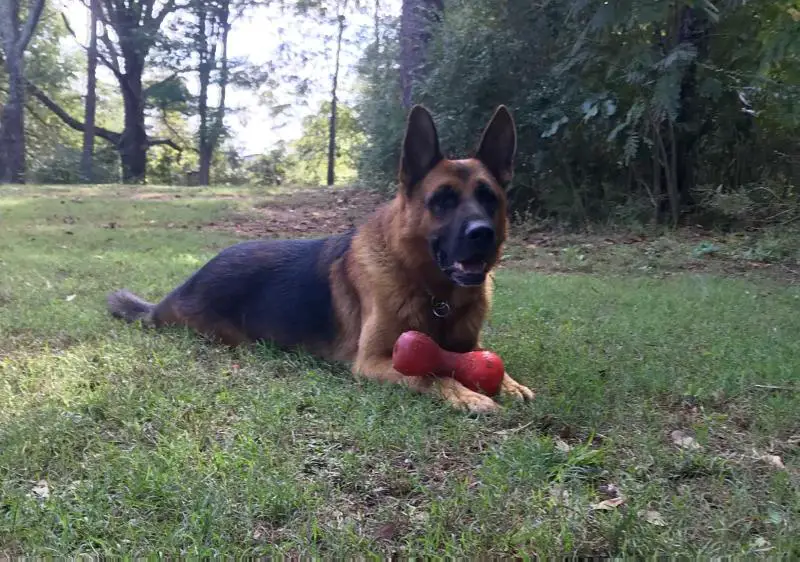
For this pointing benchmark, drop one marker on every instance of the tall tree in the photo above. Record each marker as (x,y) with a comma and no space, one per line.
(331,16)
(200,47)
(136,26)
(416,19)
(634,108)
(210,37)
(15,36)
(87,156)
(332,128)
(307,160)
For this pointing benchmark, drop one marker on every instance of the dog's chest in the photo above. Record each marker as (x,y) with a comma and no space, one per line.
(455,327)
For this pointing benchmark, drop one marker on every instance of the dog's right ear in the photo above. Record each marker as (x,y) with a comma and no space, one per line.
(421,150)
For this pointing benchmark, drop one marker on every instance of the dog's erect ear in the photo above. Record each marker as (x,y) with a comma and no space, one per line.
(421,150)
(498,146)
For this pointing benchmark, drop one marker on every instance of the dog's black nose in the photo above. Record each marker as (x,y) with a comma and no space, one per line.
(480,234)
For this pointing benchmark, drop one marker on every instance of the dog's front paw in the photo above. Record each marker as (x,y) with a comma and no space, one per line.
(512,388)
(476,403)
(465,399)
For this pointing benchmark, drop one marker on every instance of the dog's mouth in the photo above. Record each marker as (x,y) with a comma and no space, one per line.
(466,273)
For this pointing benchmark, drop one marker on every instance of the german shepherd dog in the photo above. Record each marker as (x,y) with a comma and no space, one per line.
(423,261)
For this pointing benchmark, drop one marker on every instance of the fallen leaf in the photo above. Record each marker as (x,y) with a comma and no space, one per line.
(760,544)
(606,505)
(775,517)
(774,460)
(41,490)
(386,532)
(419,517)
(653,517)
(562,445)
(684,441)
(513,430)
(559,495)
(70,298)
(610,490)
(259,532)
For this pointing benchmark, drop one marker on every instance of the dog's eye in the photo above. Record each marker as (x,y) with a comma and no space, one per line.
(487,198)
(442,201)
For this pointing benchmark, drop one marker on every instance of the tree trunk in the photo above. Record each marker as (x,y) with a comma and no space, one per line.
(219,122)
(133,143)
(213,31)
(332,134)
(13,123)
(377,23)
(15,39)
(87,156)
(657,191)
(416,18)
(135,25)
(695,28)
(204,144)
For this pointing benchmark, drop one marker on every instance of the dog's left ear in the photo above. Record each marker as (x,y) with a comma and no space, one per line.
(499,145)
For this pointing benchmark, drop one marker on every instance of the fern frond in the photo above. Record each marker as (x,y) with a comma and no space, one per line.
(683,53)
(631,147)
(667,95)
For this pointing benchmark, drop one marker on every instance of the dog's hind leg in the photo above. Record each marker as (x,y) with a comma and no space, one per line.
(174,310)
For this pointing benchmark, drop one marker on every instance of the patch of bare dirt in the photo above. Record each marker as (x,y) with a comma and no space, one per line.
(154,196)
(312,212)
(323,211)
(692,250)
(171,196)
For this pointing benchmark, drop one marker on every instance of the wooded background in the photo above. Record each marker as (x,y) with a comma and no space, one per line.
(629,110)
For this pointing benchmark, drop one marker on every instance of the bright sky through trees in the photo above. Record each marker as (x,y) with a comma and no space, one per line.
(259,36)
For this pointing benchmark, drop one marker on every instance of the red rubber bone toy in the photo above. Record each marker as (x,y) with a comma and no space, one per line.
(416,355)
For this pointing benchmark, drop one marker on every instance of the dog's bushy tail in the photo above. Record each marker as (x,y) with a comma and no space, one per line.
(124,304)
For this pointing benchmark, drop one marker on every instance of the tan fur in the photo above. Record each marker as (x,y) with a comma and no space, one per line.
(393,274)
(382,284)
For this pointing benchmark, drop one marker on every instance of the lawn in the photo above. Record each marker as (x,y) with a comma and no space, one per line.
(667,417)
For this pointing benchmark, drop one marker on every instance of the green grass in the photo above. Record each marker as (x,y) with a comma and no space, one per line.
(158,442)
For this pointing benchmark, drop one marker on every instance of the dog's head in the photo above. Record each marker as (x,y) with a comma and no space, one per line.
(459,205)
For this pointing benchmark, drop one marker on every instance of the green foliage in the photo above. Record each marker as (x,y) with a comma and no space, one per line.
(52,149)
(307,164)
(268,169)
(624,104)
(230,167)
(381,115)
(170,94)
(60,164)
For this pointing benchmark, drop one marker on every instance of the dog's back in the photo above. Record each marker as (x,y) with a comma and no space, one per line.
(277,290)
